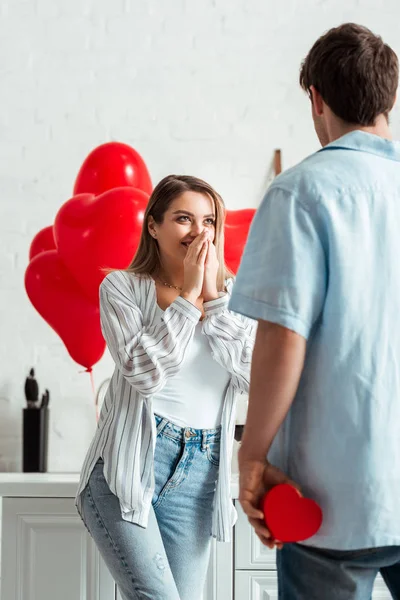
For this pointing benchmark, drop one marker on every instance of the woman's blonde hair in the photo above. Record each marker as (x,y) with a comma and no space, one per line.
(147,258)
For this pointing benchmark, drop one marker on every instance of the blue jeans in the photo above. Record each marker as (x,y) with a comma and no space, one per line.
(168,560)
(306,573)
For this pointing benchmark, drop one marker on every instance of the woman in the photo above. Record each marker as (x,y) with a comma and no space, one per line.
(155,485)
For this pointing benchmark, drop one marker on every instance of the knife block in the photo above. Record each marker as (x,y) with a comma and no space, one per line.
(35,435)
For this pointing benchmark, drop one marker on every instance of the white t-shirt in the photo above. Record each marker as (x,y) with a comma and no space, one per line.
(194,396)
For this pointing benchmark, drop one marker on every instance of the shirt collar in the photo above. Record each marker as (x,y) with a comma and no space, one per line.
(366,142)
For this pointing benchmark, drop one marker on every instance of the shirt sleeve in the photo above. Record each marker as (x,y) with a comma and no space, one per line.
(231,337)
(145,354)
(283,272)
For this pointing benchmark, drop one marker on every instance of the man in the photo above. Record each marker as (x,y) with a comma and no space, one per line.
(321,274)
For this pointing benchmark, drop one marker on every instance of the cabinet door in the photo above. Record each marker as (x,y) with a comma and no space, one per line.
(250,553)
(256,585)
(47,553)
(219,582)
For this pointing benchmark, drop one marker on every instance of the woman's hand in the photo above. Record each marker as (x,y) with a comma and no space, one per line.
(210,290)
(193,265)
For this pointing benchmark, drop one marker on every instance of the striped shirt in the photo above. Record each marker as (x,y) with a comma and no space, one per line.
(147,351)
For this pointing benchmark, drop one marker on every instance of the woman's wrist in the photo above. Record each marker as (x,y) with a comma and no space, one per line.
(208,296)
(189,296)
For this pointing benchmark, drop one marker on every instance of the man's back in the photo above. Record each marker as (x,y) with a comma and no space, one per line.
(338,214)
(344,434)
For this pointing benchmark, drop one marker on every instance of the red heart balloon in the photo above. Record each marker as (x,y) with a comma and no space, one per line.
(43,240)
(290,517)
(58,299)
(237,225)
(93,233)
(110,166)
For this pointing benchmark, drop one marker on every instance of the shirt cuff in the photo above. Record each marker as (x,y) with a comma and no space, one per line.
(187,309)
(213,307)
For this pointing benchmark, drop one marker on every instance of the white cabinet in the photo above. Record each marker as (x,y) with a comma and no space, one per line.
(255,566)
(255,585)
(219,583)
(47,553)
(250,553)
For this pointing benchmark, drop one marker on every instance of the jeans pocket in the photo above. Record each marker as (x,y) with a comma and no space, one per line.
(213,452)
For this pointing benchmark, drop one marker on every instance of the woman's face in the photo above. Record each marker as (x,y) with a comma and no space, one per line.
(187,216)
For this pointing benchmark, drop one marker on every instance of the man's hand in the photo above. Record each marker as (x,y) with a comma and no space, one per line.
(255,479)
(278,359)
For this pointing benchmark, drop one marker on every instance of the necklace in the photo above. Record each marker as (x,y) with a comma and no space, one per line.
(175,287)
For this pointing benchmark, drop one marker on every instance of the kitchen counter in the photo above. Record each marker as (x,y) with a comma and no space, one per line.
(38,518)
(40,485)
(54,485)
(64,485)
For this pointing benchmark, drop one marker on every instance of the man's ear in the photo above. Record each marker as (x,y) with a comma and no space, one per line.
(317,101)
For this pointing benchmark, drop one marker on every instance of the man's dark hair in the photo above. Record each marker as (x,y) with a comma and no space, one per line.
(355,72)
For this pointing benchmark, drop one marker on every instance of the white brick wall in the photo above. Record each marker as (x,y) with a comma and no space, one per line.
(207,88)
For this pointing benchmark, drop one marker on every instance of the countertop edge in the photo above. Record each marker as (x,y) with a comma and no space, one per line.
(55,485)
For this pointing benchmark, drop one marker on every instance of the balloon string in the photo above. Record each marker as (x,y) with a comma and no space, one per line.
(95,397)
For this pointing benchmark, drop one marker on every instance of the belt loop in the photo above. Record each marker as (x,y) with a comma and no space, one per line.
(161,425)
(204,440)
